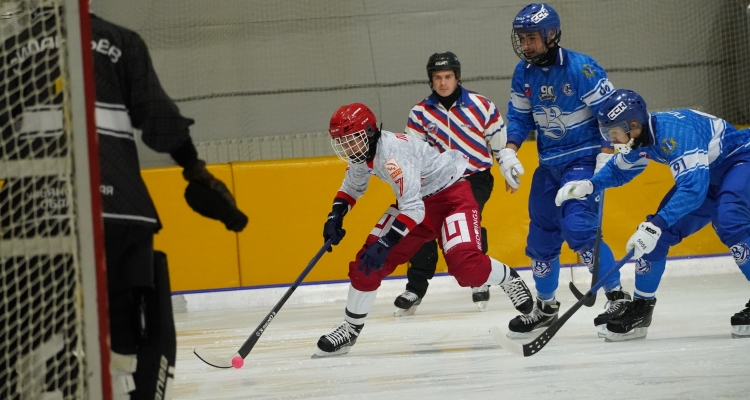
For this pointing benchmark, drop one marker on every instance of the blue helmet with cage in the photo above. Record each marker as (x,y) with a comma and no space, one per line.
(616,114)
(536,17)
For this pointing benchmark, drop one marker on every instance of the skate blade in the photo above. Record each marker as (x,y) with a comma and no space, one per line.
(602,331)
(481,305)
(637,333)
(400,312)
(323,354)
(740,331)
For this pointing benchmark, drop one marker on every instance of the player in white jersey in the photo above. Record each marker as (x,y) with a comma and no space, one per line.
(452,117)
(432,201)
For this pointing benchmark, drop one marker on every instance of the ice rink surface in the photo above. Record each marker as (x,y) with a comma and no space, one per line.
(445,351)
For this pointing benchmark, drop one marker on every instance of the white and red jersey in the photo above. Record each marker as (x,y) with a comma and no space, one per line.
(472,125)
(413,169)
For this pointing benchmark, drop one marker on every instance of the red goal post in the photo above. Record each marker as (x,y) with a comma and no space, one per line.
(54,325)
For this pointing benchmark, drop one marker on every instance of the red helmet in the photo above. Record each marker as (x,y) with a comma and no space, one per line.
(350,128)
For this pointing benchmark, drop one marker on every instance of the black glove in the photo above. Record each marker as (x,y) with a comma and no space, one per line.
(374,257)
(332,229)
(210,197)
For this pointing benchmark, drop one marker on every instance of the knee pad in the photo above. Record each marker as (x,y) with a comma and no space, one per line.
(579,229)
(122,367)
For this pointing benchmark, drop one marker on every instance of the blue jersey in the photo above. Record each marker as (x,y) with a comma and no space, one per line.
(560,102)
(698,147)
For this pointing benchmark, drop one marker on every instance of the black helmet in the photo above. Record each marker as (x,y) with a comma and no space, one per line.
(443,62)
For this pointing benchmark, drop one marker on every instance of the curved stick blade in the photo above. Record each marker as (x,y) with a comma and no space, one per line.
(577,293)
(506,342)
(212,359)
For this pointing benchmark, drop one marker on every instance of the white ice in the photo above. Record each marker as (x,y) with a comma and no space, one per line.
(446,352)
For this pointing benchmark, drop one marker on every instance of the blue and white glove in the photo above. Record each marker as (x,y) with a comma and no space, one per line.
(644,239)
(577,190)
(374,257)
(510,166)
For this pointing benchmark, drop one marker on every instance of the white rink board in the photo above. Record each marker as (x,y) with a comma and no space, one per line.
(446,352)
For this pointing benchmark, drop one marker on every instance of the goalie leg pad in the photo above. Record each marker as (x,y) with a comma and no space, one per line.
(157,347)
(122,367)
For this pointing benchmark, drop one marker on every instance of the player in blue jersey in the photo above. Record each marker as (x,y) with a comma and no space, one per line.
(557,92)
(453,117)
(710,162)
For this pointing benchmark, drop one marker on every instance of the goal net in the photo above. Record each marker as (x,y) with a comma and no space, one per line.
(246,69)
(50,336)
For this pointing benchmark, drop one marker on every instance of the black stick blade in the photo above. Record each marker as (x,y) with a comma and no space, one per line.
(212,359)
(577,293)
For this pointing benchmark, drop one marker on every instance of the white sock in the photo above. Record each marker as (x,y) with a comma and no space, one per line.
(358,304)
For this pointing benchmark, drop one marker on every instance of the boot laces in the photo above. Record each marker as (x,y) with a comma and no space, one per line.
(411,296)
(516,290)
(341,334)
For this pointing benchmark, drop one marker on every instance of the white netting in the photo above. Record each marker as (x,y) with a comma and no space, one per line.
(41,342)
(260,68)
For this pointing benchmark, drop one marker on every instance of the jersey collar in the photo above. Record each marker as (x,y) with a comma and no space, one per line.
(462,100)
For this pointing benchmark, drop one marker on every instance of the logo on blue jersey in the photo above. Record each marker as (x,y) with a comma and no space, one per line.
(549,122)
(540,268)
(526,90)
(588,71)
(547,93)
(567,89)
(668,145)
(741,253)
(642,267)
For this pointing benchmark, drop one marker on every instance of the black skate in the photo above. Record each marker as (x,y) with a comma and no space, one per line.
(741,323)
(340,341)
(480,296)
(406,304)
(518,292)
(617,302)
(543,315)
(633,323)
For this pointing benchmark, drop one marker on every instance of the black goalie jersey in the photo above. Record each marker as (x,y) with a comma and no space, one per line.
(129,95)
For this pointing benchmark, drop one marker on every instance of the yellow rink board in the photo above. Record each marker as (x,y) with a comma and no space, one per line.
(287,202)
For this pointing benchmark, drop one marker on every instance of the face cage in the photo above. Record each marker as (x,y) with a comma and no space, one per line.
(356,143)
(623,148)
(518,48)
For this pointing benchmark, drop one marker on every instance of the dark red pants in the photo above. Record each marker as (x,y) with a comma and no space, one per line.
(451,216)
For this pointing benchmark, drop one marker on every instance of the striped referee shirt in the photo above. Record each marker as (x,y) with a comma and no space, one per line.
(472,125)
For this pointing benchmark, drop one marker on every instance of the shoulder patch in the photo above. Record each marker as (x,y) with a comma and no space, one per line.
(588,71)
(668,145)
(394,170)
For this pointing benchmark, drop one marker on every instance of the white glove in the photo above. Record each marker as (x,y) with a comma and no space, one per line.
(510,167)
(601,160)
(644,239)
(577,190)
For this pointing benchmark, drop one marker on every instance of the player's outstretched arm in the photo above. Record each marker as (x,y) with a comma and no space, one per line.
(211,198)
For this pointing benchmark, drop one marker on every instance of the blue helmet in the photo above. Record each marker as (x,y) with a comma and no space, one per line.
(620,108)
(535,17)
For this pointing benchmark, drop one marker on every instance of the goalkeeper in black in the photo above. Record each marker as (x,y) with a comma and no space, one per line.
(129,96)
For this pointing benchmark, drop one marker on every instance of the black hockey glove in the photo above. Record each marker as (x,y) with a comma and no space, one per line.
(210,197)
(374,257)
(333,227)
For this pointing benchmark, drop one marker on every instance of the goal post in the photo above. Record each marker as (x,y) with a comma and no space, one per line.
(54,334)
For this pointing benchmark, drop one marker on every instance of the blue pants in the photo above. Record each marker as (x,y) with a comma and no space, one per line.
(575,222)
(727,206)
